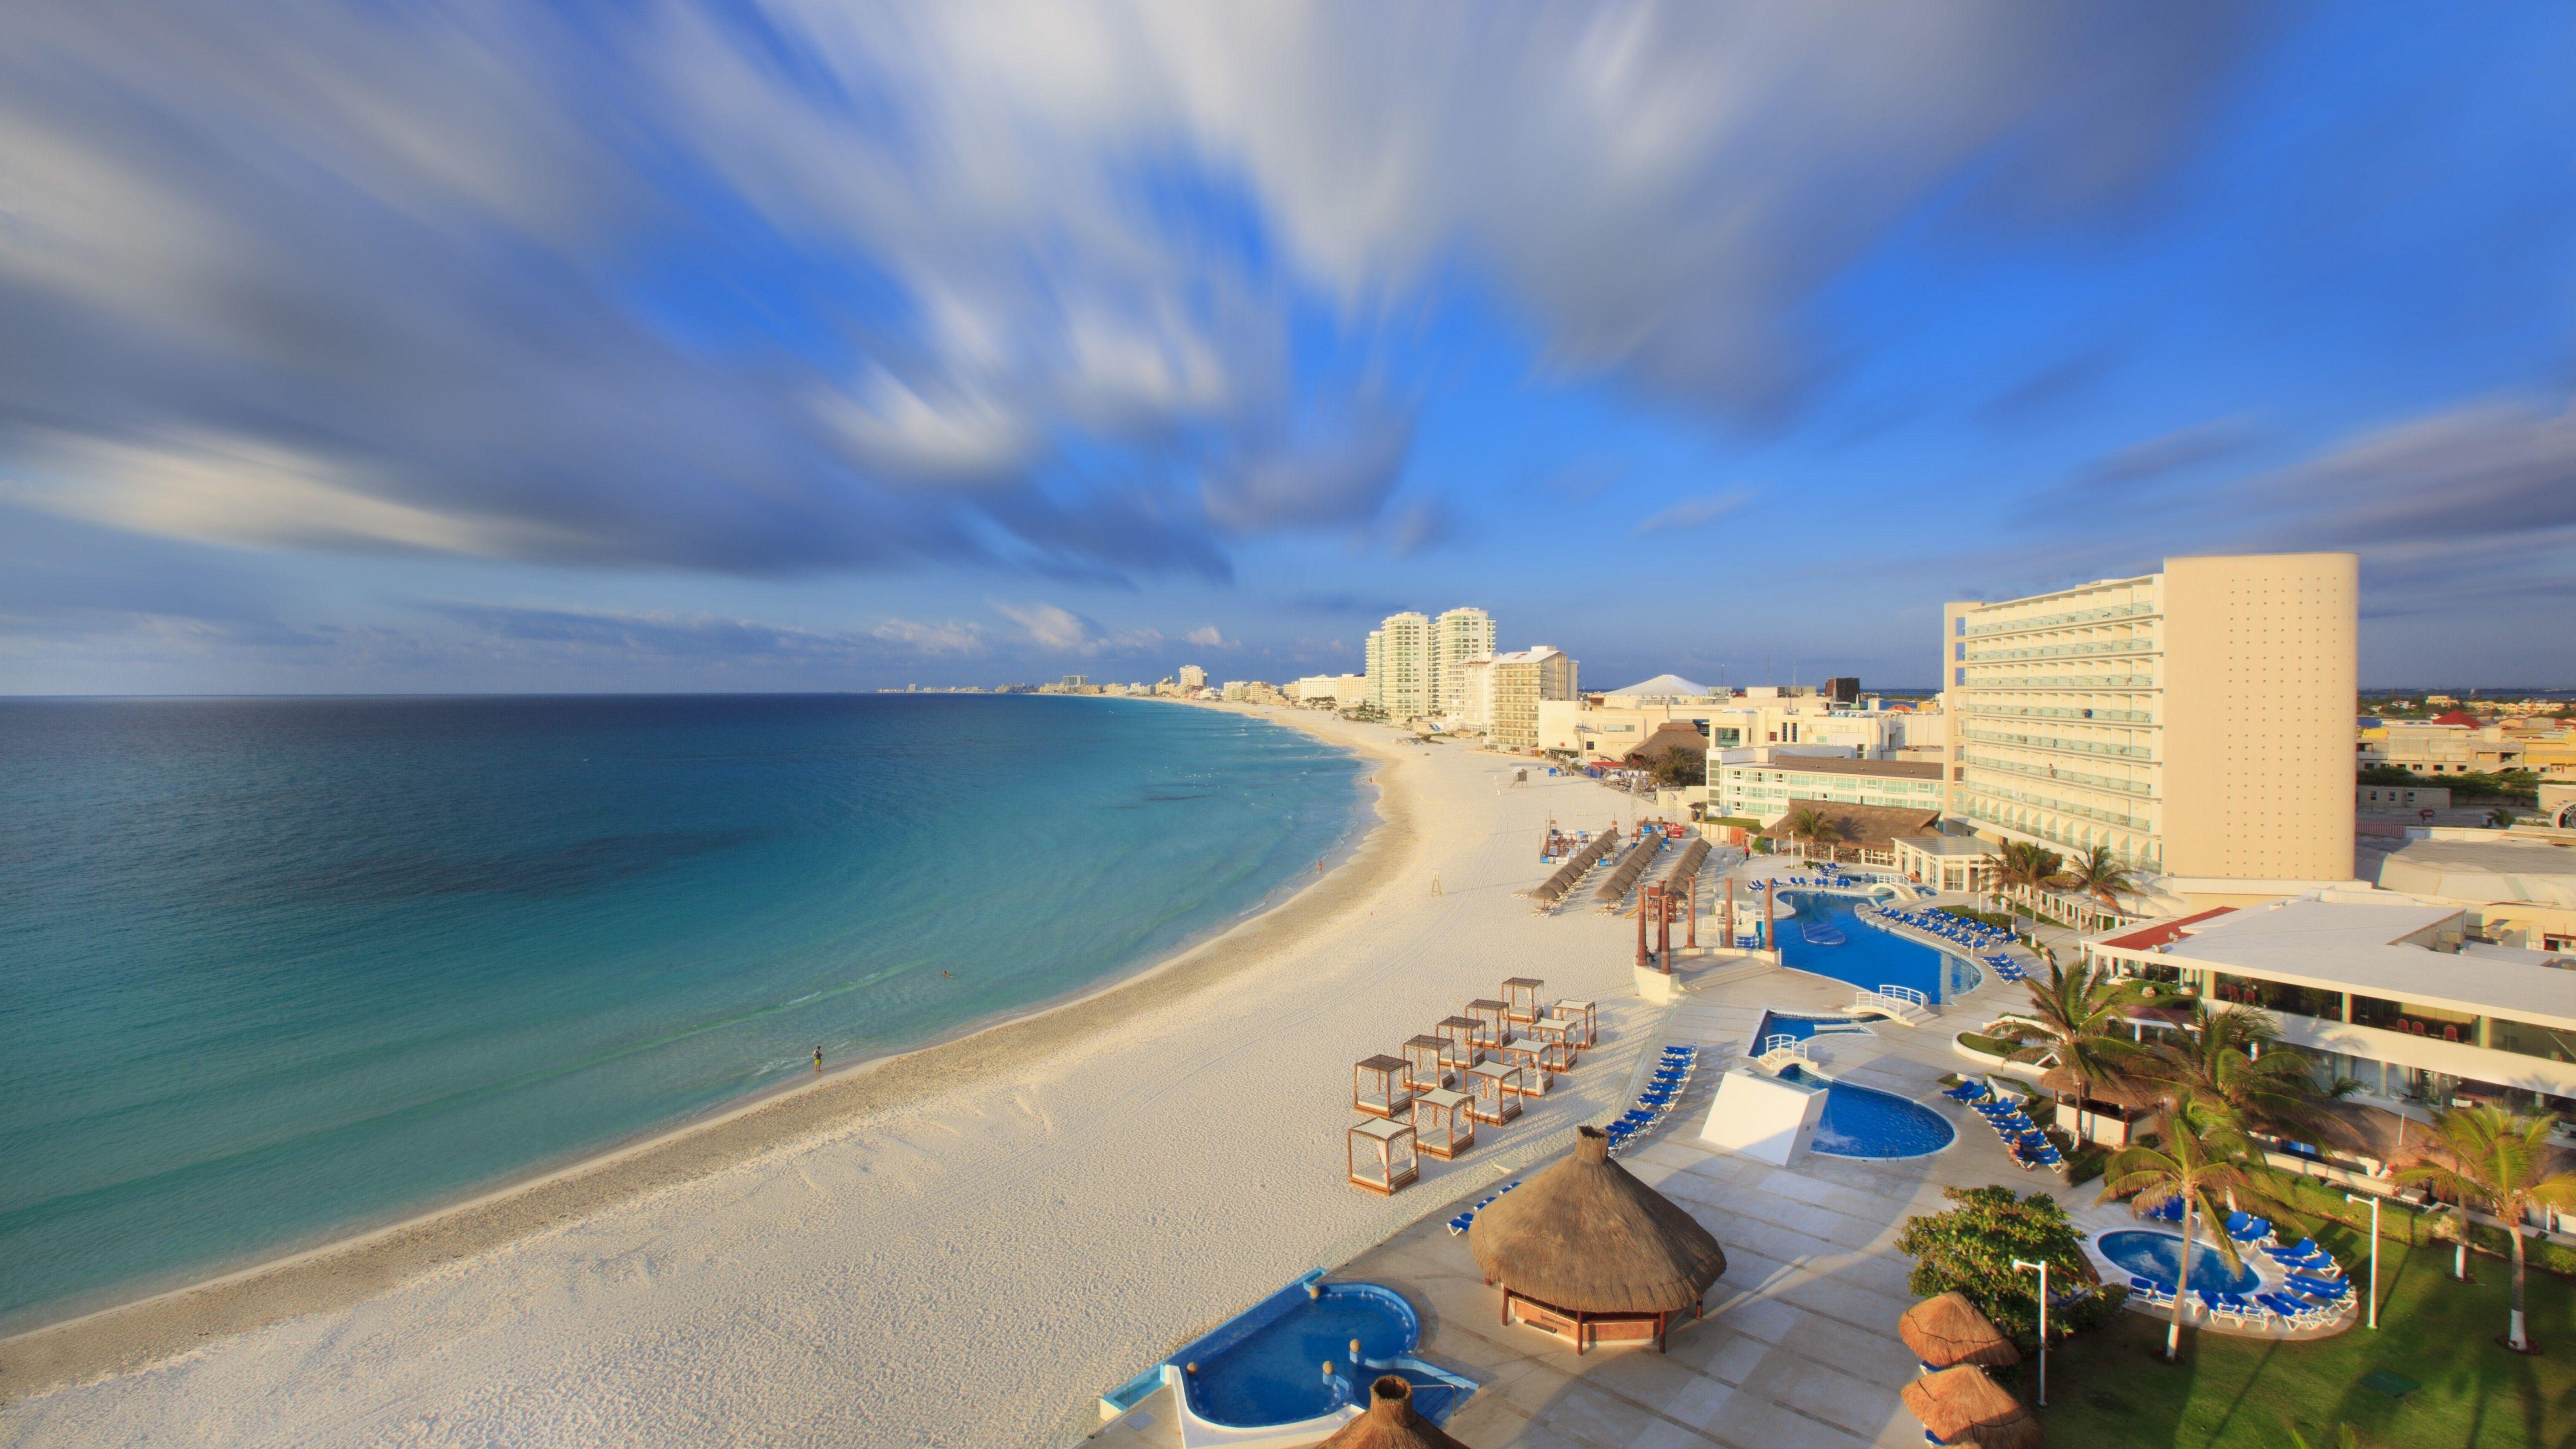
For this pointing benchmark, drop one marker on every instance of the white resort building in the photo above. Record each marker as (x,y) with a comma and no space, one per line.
(2196,721)
(2383,990)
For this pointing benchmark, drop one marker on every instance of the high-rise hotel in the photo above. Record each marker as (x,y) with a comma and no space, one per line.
(2197,721)
(1416,665)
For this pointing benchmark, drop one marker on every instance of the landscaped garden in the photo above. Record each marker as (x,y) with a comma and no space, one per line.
(2456,1386)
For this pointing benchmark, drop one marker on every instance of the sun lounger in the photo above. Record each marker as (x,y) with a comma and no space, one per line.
(2247,1228)
(2327,1290)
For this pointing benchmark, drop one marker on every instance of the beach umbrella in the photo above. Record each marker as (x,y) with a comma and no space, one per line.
(1390,1422)
(1590,1244)
(1947,1331)
(1962,1406)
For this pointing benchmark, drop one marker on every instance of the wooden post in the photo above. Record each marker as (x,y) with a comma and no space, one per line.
(1641,932)
(1664,929)
(1729,941)
(1693,943)
(1771,917)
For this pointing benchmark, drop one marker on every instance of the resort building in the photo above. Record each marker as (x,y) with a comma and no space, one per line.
(1866,834)
(1340,691)
(1615,724)
(1399,666)
(1457,637)
(2196,721)
(2389,992)
(2513,892)
(1518,682)
(1192,678)
(1765,785)
(2434,747)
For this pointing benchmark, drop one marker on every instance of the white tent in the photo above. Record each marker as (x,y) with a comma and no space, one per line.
(1665,686)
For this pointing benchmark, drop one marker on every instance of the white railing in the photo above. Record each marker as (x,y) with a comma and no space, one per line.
(1905,994)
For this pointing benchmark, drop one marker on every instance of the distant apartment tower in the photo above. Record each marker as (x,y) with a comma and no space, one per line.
(1192,677)
(1844,689)
(1399,666)
(1456,637)
(2197,721)
(1077,681)
(1519,680)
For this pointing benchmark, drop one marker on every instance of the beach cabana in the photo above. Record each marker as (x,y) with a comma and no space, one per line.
(1493,1022)
(1586,1252)
(1557,1035)
(1422,1065)
(2111,1113)
(1390,1422)
(1947,1331)
(1520,998)
(1962,1406)
(1460,1033)
(1529,1058)
(1377,1087)
(1442,1124)
(1494,1092)
(1584,1016)
(1382,1156)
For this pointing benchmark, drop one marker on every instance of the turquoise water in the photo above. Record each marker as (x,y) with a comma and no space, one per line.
(2159,1255)
(269,969)
(1868,1123)
(1830,940)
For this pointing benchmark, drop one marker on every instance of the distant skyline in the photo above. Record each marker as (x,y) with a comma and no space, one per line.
(806,345)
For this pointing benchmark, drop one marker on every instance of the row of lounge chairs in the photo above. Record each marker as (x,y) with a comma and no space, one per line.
(1664,1087)
(2023,1141)
(1467,1219)
(1983,941)
(2242,1309)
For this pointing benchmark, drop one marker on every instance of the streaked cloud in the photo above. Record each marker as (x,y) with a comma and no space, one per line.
(1694,512)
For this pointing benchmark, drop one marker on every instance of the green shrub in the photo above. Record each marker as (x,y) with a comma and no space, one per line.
(2552,1258)
(1993,1046)
(1971,1249)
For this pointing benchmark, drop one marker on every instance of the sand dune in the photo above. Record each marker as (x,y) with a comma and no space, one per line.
(962,1246)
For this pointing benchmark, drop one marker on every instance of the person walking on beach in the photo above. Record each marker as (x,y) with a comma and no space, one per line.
(818,1061)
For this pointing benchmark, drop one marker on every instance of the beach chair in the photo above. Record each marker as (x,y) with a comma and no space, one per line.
(2324,1290)
(1970,1090)
(2244,1227)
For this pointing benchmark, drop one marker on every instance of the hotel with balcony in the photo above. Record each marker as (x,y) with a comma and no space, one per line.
(2196,721)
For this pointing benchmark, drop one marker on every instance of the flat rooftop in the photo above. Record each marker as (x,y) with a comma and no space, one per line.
(2483,871)
(2346,942)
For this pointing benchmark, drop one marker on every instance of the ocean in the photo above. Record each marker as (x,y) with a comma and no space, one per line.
(274,969)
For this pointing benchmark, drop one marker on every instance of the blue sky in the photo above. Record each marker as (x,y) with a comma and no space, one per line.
(799,344)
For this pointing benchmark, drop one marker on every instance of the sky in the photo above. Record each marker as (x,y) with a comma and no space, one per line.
(809,344)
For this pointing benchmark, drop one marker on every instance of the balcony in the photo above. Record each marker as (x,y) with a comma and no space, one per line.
(2037,711)
(2057,745)
(2056,806)
(2069,777)
(2065,681)
(2059,621)
(2064,651)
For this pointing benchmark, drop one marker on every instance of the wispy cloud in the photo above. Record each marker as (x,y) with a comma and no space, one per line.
(1696,512)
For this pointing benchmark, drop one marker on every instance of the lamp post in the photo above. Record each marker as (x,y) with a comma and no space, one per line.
(2374,1252)
(2043,1324)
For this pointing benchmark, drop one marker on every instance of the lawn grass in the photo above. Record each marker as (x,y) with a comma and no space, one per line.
(2110,1389)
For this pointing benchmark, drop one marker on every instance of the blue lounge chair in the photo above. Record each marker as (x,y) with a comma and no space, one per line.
(2331,1290)
(2247,1228)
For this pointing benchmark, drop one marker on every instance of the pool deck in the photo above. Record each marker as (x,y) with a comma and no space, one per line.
(1799,1349)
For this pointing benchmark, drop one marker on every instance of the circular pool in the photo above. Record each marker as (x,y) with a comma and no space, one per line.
(1867,1123)
(2159,1256)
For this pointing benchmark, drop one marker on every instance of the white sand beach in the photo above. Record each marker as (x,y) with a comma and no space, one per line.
(959,1247)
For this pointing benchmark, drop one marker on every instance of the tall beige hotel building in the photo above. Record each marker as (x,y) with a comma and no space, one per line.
(2198,721)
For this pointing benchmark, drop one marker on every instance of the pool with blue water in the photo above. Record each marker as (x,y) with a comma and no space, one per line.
(1275,1374)
(2159,1256)
(1864,955)
(1804,1028)
(1865,1122)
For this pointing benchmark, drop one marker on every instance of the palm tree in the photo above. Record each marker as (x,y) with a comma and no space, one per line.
(2225,1058)
(2024,866)
(2503,1166)
(1811,827)
(2199,1158)
(2098,872)
(2074,1022)
(2500,818)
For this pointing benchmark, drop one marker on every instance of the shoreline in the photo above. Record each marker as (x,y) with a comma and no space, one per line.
(354,1267)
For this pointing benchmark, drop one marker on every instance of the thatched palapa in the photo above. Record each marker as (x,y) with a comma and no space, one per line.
(1585,1251)
(1962,1406)
(2110,1091)
(1947,1331)
(1390,1422)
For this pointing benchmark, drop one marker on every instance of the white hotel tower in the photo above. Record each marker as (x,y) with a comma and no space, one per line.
(2197,721)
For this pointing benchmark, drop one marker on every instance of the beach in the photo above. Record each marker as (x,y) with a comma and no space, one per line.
(961,1245)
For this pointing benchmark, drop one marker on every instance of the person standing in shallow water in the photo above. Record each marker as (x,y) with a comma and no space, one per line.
(818,1061)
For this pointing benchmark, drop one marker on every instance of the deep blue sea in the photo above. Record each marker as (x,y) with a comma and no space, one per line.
(273,968)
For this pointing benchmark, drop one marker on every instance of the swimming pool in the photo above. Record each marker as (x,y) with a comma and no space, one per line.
(1865,956)
(1865,1122)
(1792,1024)
(2159,1256)
(1267,1366)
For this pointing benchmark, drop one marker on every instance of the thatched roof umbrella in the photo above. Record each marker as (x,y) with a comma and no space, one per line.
(2111,1092)
(1390,1422)
(1962,1406)
(1588,1244)
(1947,1331)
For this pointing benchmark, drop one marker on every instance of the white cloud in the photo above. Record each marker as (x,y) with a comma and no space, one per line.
(947,638)
(1696,512)
(1050,627)
(1206,636)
